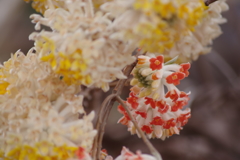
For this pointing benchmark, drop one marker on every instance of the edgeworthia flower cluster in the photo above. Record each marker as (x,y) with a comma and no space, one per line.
(80,47)
(39,113)
(198,42)
(169,27)
(90,42)
(158,111)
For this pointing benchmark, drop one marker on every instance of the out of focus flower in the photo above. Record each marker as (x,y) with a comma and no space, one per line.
(104,155)
(29,75)
(155,101)
(80,47)
(127,155)
(39,113)
(155,25)
(193,44)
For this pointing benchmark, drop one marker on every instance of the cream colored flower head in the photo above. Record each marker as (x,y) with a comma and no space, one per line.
(80,47)
(196,43)
(39,113)
(168,27)
(155,24)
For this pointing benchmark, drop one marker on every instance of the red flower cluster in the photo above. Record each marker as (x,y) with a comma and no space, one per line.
(163,107)
(159,113)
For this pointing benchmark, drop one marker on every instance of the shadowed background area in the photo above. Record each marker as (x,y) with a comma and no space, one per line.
(212,132)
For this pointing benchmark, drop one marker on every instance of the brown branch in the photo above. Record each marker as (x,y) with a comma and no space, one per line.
(208,2)
(153,150)
(99,124)
(102,128)
(105,110)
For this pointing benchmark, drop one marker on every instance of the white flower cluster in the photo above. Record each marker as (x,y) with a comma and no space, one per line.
(80,42)
(196,43)
(39,110)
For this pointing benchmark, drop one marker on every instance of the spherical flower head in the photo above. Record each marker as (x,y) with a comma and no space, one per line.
(50,133)
(155,25)
(128,155)
(39,113)
(80,47)
(198,42)
(155,102)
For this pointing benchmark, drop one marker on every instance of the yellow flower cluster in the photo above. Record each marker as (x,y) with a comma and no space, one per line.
(39,112)
(171,10)
(70,66)
(170,19)
(41,151)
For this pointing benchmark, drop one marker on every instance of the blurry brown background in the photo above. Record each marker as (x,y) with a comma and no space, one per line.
(213,132)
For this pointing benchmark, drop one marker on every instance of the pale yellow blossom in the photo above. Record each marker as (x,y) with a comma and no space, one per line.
(155,24)
(81,48)
(39,113)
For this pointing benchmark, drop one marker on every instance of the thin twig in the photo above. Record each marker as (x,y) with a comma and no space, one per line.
(102,127)
(208,2)
(106,108)
(152,149)
(99,123)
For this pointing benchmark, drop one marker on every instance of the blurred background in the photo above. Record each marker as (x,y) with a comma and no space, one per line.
(213,132)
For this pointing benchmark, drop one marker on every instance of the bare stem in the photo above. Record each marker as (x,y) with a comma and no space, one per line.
(106,108)
(152,149)
(99,124)
(208,2)
(102,127)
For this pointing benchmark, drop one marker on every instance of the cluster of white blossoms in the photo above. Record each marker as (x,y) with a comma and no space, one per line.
(80,47)
(90,42)
(159,113)
(155,25)
(170,28)
(39,113)
(196,43)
